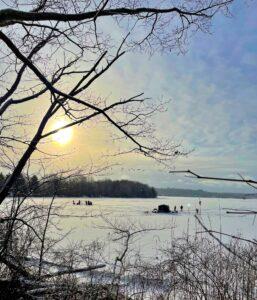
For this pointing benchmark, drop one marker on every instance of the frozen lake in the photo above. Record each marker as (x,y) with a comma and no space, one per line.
(86,222)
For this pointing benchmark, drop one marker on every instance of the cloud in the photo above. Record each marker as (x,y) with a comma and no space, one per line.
(213,91)
(213,104)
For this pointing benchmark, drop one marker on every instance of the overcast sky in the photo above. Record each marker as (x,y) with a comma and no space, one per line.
(213,107)
(213,111)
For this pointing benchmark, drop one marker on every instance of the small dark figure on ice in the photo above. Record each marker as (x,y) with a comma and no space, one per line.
(74,203)
(88,202)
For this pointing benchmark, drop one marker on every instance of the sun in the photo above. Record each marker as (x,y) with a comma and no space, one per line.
(63,136)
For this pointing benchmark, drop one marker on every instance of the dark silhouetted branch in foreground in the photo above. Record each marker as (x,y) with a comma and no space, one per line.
(11,16)
(195,175)
(229,235)
(229,249)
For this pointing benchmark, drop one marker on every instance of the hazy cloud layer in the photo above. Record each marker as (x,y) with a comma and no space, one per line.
(214,97)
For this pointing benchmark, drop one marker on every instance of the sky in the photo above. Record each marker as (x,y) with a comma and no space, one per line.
(212,111)
(213,108)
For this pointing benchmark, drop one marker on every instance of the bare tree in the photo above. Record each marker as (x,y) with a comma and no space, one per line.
(48,30)
(52,52)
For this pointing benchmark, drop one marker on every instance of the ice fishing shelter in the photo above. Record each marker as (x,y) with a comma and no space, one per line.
(163,208)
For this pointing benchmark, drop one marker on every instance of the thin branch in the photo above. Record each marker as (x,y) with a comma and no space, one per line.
(250,181)
(229,249)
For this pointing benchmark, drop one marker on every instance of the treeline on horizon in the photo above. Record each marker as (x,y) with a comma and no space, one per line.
(174,192)
(79,187)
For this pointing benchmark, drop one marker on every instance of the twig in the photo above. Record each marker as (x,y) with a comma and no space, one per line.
(214,178)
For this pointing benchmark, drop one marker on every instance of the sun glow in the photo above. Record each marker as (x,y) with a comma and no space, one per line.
(63,136)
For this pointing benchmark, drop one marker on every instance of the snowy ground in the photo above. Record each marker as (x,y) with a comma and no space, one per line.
(133,211)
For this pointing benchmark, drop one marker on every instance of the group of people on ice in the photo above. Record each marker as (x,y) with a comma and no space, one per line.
(87,202)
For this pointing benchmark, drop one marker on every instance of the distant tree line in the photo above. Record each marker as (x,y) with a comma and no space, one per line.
(173,192)
(79,187)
